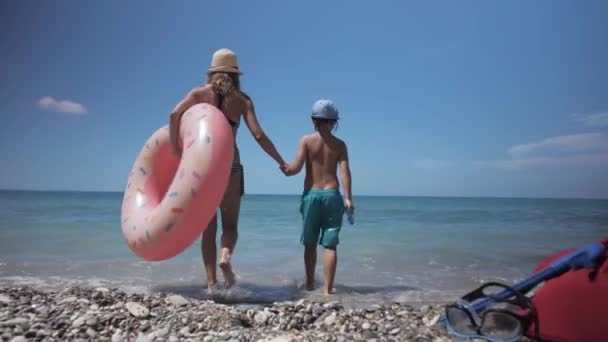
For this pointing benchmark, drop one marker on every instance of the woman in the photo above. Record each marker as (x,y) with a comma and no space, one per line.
(223,91)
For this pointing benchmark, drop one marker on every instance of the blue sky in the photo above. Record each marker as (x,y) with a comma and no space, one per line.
(439,98)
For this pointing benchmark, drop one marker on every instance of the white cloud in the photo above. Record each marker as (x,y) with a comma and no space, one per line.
(563,143)
(63,106)
(530,162)
(592,120)
(432,164)
(576,149)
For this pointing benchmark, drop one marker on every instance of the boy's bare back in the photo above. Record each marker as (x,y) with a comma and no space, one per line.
(323,154)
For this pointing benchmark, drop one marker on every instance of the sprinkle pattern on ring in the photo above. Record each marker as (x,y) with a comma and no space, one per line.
(147,216)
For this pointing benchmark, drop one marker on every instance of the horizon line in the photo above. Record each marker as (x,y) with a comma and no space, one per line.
(361,195)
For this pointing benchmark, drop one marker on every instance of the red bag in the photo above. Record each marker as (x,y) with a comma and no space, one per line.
(572,307)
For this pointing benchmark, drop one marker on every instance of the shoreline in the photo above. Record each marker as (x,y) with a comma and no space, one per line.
(104,314)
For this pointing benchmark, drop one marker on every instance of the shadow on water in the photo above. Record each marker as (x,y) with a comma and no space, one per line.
(260,294)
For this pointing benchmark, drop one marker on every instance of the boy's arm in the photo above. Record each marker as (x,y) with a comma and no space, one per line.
(346,178)
(176,117)
(295,167)
(259,135)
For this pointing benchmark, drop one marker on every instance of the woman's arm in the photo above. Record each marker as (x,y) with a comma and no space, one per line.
(258,134)
(176,117)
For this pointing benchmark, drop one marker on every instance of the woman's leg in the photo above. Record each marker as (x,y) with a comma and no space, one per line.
(230,207)
(209,251)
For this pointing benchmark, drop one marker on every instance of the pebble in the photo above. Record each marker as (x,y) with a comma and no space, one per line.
(261,317)
(330,320)
(137,310)
(117,336)
(432,321)
(112,315)
(68,300)
(79,321)
(184,331)
(282,338)
(177,300)
(15,321)
(84,301)
(5,299)
(317,310)
(143,338)
(92,333)
(92,321)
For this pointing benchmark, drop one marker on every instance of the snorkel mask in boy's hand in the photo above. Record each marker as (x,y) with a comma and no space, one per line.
(505,321)
(350,215)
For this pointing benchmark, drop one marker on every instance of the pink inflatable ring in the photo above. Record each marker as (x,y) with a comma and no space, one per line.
(169,201)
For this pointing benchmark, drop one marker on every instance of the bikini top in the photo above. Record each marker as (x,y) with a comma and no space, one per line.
(220,101)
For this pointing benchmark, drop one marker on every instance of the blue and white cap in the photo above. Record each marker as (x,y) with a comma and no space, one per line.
(325,109)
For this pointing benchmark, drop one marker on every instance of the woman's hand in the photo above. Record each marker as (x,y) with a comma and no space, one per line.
(174,134)
(176,117)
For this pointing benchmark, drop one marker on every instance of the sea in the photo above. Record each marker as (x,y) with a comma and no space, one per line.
(416,250)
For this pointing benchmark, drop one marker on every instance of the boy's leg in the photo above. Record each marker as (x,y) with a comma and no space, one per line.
(311,215)
(330,260)
(310,261)
(331,224)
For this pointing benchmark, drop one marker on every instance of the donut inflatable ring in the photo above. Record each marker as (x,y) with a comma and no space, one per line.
(168,201)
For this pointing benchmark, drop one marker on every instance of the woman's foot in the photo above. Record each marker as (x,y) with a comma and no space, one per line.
(229,276)
(211,288)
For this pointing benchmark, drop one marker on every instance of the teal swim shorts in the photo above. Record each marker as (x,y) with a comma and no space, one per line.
(322,212)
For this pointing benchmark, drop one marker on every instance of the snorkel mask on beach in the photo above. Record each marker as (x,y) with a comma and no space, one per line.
(506,320)
(466,319)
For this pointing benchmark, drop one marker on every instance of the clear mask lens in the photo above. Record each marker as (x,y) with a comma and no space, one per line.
(460,321)
(501,326)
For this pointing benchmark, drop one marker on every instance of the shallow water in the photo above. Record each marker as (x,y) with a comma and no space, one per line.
(406,249)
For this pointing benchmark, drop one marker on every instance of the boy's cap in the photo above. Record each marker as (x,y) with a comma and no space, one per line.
(325,109)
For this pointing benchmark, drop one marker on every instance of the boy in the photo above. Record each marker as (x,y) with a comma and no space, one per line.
(322,205)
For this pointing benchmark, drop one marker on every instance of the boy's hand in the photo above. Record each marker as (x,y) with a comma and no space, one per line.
(349,204)
(350,211)
(284,167)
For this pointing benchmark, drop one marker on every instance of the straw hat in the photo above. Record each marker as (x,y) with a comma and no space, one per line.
(224,60)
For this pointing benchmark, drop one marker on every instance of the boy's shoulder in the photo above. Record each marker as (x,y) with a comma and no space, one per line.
(314,139)
(307,138)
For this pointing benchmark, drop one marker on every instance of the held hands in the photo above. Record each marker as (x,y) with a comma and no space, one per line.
(287,171)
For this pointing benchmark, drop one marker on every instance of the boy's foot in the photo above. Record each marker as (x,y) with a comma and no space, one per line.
(329,292)
(310,285)
(229,276)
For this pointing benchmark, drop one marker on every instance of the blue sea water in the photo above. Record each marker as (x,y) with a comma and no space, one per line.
(406,249)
